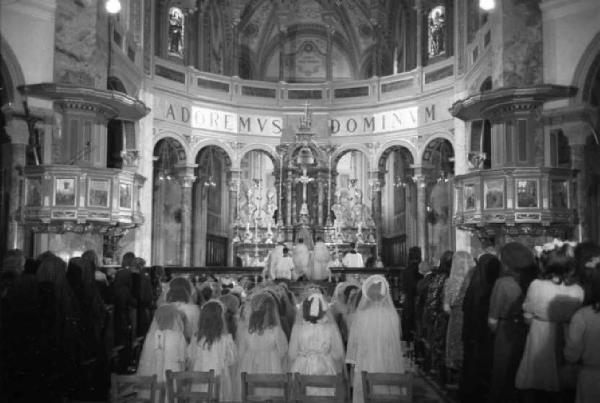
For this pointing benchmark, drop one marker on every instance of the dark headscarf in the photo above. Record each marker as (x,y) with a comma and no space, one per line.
(477,298)
(519,263)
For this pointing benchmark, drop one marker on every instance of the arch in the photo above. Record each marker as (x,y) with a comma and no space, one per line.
(318,154)
(11,72)
(397,143)
(269,150)
(381,161)
(339,153)
(586,71)
(177,146)
(175,136)
(428,144)
(436,146)
(229,152)
(220,149)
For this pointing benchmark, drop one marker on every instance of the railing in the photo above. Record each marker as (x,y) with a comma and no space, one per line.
(375,90)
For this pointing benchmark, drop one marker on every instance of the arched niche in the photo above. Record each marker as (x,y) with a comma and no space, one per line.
(438,171)
(398,204)
(211,219)
(351,169)
(169,156)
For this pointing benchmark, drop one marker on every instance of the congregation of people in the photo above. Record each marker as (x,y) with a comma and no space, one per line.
(516,325)
(520,325)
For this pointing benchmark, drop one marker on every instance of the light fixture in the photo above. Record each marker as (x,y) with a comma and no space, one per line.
(112,6)
(487,5)
(165,162)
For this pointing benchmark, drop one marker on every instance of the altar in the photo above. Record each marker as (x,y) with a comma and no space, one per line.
(303,202)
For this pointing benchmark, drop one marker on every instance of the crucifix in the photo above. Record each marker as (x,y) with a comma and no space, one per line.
(305,180)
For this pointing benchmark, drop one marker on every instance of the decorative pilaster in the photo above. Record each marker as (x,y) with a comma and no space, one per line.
(289,187)
(578,163)
(234,189)
(419,180)
(376,184)
(321,199)
(187,182)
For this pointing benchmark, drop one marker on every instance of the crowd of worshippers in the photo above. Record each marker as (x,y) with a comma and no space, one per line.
(514,325)
(302,263)
(55,332)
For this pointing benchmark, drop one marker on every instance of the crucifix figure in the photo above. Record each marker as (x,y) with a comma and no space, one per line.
(304,179)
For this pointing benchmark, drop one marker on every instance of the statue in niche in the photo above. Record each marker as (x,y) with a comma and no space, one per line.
(270,206)
(437,31)
(176,32)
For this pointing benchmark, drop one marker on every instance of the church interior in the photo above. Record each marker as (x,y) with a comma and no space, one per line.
(213,139)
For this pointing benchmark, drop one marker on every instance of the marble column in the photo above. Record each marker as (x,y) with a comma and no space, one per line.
(421,211)
(289,200)
(187,182)
(578,163)
(19,133)
(234,188)
(320,199)
(376,183)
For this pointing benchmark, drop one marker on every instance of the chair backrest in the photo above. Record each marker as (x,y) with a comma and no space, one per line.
(190,386)
(265,387)
(133,389)
(318,388)
(387,387)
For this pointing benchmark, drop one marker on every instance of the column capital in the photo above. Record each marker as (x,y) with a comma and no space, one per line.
(375,184)
(187,181)
(234,185)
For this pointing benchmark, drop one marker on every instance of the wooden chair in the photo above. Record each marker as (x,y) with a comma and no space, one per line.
(250,383)
(127,388)
(303,382)
(179,385)
(402,381)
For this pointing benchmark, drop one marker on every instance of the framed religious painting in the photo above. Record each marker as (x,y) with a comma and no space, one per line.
(559,194)
(470,196)
(33,192)
(64,192)
(125,195)
(527,193)
(493,191)
(98,195)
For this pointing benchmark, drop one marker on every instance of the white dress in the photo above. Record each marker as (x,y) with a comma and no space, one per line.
(192,315)
(263,354)
(374,340)
(220,357)
(353,259)
(548,305)
(301,258)
(163,350)
(321,258)
(316,349)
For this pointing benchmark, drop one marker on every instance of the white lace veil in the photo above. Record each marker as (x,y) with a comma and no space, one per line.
(166,333)
(374,340)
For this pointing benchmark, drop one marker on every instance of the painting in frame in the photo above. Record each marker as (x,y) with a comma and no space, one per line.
(494,193)
(527,193)
(98,193)
(64,192)
(125,195)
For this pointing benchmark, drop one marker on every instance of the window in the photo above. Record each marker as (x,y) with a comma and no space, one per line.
(176,31)
(436,28)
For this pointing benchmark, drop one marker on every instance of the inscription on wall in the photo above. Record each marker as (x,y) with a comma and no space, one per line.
(395,120)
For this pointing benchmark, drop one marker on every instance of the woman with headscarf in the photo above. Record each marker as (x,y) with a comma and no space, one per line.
(455,289)
(80,276)
(316,345)
(410,278)
(61,326)
(505,319)
(477,337)
(582,338)
(165,345)
(550,302)
(435,318)
(374,341)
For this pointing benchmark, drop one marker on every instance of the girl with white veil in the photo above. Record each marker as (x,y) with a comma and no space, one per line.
(165,344)
(321,257)
(374,340)
(316,345)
